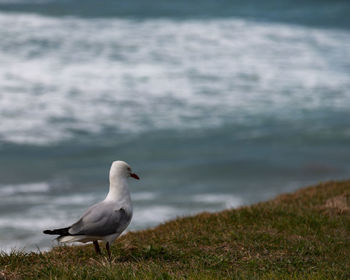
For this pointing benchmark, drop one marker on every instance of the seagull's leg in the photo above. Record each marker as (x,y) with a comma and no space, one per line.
(108,251)
(97,247)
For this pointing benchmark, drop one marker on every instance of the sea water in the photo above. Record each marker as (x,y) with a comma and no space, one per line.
(214,105)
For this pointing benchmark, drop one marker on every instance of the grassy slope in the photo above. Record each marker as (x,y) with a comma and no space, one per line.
(305,235)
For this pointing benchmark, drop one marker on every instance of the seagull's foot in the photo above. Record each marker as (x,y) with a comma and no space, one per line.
(97,247)
(109,252)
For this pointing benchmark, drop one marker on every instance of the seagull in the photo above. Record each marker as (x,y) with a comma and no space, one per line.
(107,219)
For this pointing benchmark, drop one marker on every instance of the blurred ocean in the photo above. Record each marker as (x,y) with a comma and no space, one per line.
(214,104)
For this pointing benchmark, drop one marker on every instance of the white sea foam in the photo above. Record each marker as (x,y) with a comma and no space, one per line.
(74,199)
(39,187)
(143,196)
(28,222)
(154,215)
(68,75)
(39,193)
(20,199)
(226,200)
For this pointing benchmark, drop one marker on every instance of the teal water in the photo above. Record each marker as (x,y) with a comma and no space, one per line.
(214,106)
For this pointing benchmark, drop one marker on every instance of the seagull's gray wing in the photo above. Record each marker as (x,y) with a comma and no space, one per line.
(100,220)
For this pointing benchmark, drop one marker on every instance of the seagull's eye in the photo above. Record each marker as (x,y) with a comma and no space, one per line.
(129,169)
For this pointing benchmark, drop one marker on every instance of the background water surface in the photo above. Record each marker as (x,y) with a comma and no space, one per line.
(215,104)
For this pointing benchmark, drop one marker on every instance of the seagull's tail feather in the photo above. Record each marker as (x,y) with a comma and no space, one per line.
(59,231)
(65,236)
(73,238)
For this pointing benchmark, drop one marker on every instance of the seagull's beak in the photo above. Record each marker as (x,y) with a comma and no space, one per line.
(134,176)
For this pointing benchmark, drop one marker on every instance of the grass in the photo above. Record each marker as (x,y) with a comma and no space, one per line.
(304,235)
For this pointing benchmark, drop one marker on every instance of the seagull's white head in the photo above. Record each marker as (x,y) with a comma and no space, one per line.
(120,169)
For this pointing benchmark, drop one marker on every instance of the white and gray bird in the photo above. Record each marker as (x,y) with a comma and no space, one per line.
(107,219)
